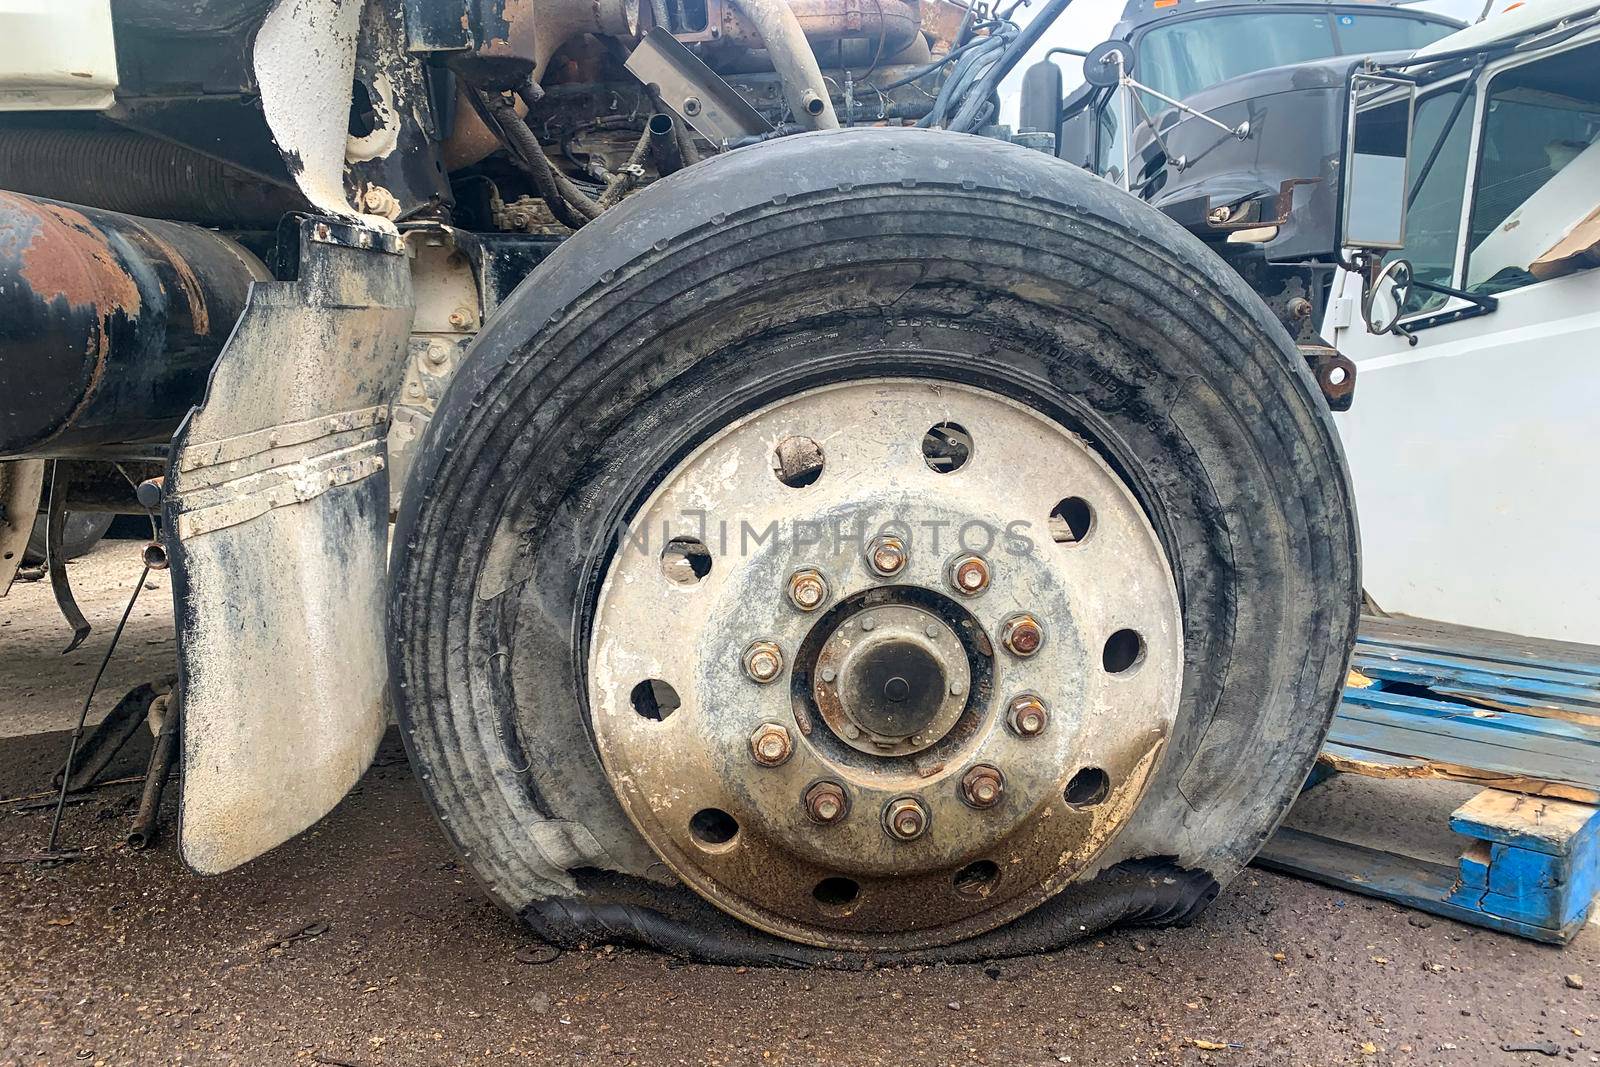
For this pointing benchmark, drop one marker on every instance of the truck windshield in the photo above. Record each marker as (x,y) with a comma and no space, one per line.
(1183,57)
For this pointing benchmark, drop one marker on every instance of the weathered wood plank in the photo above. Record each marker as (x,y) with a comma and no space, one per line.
(1553,827)
(1409,882)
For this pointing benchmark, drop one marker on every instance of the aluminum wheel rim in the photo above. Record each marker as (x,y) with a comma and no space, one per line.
(1060,794)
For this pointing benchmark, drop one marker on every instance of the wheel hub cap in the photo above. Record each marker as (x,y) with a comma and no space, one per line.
(908,808)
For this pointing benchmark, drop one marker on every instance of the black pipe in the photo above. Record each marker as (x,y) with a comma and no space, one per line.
(147,821)
(115,731)
(665,151)
(109,324)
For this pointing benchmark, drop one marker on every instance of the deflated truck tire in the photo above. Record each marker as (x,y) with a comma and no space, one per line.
(636,723)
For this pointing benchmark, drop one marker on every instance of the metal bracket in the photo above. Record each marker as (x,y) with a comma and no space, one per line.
(693,90)
(21,488)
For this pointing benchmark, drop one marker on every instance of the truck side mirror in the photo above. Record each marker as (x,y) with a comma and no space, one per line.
(1376,170)
(1041,98)
(1386,298)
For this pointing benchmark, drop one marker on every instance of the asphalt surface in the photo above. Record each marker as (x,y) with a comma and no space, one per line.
(365,943)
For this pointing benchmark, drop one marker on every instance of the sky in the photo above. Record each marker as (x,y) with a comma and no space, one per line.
(1086,23)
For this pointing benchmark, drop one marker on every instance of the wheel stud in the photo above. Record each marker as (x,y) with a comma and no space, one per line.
(1027,716)
(807,589)
(905,819)
(826,802)
(886,555)
(969,575)
(771,744)
(763,661)
(1022,635)
(981,786)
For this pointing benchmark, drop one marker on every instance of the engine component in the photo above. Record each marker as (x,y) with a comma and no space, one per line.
(109,323)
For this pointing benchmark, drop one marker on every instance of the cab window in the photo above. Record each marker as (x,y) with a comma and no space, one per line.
(1433,220)
(1538,166)
(1113,130)
(1183,57)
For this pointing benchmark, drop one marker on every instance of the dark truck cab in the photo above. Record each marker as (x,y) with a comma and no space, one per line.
(1249,161)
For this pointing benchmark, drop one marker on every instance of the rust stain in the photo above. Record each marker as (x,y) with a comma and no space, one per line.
(68,258)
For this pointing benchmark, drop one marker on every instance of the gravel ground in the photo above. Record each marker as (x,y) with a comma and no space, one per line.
(364,943)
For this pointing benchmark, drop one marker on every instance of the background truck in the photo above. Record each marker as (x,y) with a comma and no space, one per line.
(1229,116)
(774,540)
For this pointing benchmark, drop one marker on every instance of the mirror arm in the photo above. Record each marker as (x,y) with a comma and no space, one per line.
(1482,300)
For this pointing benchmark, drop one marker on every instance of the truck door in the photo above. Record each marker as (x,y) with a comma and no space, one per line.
(1473,451)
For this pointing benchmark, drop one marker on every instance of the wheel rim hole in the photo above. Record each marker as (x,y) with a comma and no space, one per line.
(713,826)
(1071,520)
(977,879)
(685,560)
(654,699)
(946,447)
(797,461)
(836,894)
(1088,787)
(1124,651)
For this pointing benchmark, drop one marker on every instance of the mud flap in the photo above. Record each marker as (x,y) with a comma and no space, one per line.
(277,512)
(21,486)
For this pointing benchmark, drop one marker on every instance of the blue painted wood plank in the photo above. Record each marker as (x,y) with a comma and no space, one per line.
(1526,730)
(1553,827)
(1471,752)
(1584,681)
(1400,879)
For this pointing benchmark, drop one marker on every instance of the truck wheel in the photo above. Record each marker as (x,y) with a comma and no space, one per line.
(872,544)
(84,529)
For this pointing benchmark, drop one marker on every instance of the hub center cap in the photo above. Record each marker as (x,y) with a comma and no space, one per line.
(891,680)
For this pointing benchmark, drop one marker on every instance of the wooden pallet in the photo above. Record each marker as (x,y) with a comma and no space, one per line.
(1432,714)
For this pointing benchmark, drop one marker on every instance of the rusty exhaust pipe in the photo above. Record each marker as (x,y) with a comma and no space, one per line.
(665,151)
(147,822)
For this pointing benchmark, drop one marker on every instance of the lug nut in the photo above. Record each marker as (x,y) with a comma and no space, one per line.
(771,744)
(905,819)
(826,802)
(763,661)
(981,786)
(886,555)
(1027,716)
(969,575)
(807,589)
(1022,635)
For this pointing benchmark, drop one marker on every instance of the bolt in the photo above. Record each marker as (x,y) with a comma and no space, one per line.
(826,802)
(905,819)
(771,744)
(969,574)
(1219,215)
(691,106)
(1300,308)
(460,317)
(1027,716)
(763,661)
(807,589)
(829,674)
(886,555)
(1022,635)
(868,623)
(932,629)
(981,786)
